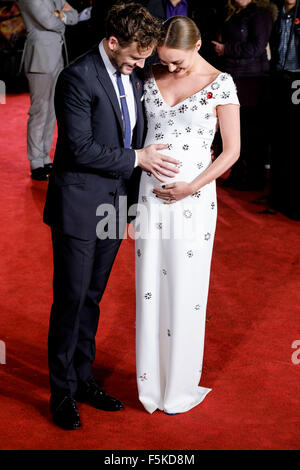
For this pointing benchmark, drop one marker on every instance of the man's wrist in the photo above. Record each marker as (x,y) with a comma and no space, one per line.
(136,163)
(137,157)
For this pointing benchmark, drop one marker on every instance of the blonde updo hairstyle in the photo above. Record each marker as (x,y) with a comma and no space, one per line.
(179,32)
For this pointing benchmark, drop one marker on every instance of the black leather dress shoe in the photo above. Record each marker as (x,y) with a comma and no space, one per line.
(48,167)
(65,414)
(92,393)
(40,174)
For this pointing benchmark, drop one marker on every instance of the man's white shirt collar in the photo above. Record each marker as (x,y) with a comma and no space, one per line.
(108,65)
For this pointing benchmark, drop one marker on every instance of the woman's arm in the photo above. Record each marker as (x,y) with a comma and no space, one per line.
(229,121)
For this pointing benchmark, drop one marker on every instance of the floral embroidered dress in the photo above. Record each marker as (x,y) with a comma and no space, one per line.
(173,251)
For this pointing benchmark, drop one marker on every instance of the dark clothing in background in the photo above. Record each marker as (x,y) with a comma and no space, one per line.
(100,8)
(179,10)
(80,38)
(246,36)
(285,40)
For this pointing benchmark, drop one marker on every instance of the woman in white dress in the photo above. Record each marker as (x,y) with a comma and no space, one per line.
(185,99)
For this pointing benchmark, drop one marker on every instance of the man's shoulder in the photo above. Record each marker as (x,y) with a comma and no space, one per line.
(82,65)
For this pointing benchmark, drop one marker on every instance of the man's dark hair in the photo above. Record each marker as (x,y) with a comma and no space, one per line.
(131,22)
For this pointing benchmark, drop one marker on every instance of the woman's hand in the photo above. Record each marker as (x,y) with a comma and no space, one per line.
(173,192)
(219,47)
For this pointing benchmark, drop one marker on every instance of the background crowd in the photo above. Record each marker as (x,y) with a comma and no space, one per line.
(256,41)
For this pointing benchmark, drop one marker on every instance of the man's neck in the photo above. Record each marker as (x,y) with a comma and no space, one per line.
(289,6)
(106,48)
(175,2)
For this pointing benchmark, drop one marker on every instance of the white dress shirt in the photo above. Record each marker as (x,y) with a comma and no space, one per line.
(112,71)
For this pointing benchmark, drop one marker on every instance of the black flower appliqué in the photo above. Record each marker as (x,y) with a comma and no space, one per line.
(225,94)
(158,102)
(176,133)
(183,108)
(159,136)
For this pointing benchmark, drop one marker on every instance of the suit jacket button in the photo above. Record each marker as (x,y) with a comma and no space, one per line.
(111,193)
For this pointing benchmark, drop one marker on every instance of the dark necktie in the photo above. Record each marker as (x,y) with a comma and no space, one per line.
(127,133)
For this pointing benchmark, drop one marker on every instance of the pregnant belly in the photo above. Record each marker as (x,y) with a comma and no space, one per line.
(193,158)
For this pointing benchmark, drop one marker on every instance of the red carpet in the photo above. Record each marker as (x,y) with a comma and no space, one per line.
(253,314)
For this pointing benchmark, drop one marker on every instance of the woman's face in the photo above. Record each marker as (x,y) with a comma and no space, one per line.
(242,3)
(178,61)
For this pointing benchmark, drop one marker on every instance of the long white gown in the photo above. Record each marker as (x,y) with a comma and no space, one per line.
(173,251)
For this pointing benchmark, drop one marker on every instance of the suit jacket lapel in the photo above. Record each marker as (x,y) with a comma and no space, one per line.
(107,85)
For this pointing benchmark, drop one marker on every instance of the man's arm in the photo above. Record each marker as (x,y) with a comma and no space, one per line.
(41,15)
(73,105)
(68,14)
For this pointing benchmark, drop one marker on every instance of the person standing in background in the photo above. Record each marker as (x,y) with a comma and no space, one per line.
(45,21)
(242,52)
(285,38)
(206,15)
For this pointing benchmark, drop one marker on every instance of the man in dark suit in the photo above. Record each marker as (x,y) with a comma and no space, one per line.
(100,120)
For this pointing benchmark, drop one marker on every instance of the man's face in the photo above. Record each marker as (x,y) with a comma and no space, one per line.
(125,59)
(242,3)
(290,3)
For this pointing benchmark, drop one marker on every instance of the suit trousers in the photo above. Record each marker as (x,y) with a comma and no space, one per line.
(81,272)
(41,121)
